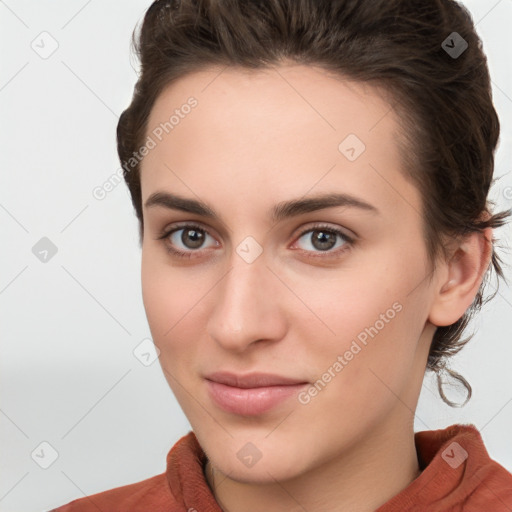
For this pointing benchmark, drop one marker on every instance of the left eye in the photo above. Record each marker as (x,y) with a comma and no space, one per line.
(323,239)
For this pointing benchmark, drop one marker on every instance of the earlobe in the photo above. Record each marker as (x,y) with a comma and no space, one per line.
(462,278)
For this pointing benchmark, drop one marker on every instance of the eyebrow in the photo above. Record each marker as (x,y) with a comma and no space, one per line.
(280,211)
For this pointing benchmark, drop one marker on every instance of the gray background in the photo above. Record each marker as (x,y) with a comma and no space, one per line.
(70,325)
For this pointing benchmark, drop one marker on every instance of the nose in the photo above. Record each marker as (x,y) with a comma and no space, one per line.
(248,305)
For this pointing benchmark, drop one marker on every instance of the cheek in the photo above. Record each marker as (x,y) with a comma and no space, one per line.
(368,317)
(156,301)
(348,302)
(174,310)
(163,297)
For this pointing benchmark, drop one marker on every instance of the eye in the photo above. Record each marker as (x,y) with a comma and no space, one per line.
(186,240)
(183,241)
(322,239)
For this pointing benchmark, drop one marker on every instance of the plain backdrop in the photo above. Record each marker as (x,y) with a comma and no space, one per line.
(72,317)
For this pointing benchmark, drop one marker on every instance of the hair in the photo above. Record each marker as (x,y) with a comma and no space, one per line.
(450,128)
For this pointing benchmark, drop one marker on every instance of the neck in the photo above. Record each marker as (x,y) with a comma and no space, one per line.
(360,480)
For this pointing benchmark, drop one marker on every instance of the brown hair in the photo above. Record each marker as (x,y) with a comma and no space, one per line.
(444,101)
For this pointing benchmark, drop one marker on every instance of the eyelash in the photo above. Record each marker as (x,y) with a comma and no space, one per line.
(349,241)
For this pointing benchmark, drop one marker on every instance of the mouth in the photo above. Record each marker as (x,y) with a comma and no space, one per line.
(251,394)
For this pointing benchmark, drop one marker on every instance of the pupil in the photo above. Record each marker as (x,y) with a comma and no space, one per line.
(324,237)
(195,235)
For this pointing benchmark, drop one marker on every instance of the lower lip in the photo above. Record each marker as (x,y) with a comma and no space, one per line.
(250,401)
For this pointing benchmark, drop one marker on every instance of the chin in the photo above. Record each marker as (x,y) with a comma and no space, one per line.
(269,463)
(264,473)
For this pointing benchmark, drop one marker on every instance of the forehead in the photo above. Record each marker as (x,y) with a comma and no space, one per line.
(297,127)
(311,95)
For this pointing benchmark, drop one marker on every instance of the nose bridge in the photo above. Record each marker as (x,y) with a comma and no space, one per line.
(243,286)
(244,303)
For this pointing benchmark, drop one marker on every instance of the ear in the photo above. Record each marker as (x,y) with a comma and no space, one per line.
(461,278)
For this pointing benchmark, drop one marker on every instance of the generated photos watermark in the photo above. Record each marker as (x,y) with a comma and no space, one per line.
(100,192)
(341,361)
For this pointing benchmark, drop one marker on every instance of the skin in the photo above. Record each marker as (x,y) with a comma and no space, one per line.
(255,139)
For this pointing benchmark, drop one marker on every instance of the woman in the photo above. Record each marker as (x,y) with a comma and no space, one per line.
(311,182)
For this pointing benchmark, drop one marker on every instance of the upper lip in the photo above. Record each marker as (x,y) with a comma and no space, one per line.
(252,380)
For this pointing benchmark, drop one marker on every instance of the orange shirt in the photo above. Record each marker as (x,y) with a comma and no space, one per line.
(457,476)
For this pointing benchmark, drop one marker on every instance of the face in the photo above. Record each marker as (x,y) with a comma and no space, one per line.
(334,296)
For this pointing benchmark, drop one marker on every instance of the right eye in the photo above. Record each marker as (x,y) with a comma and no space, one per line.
(184,240)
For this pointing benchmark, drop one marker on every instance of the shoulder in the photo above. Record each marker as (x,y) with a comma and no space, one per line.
(462,463)
(492,486)
(457,474)
(150,494)
(165,492)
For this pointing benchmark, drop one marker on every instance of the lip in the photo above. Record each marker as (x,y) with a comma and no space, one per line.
(251,394)
(252,380)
